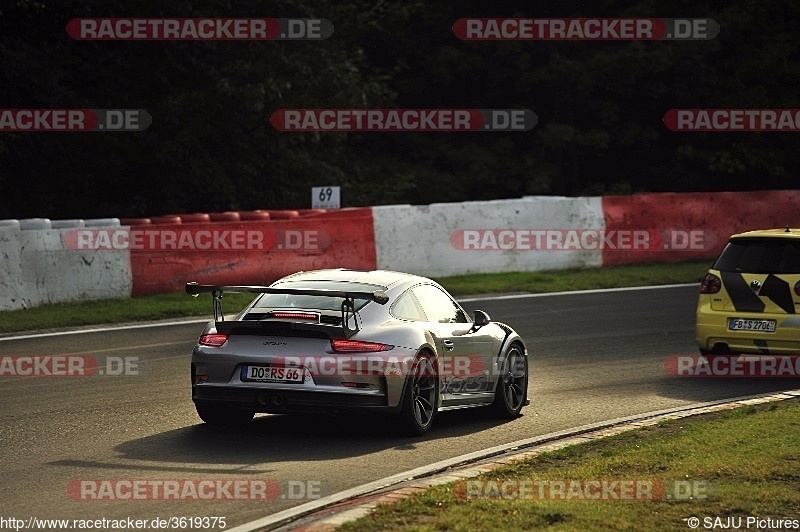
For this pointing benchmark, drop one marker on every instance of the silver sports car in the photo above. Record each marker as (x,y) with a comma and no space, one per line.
(339,340)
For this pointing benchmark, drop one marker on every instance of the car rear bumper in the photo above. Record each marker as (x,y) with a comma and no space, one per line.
(371,380)
(712,333)
(277,401)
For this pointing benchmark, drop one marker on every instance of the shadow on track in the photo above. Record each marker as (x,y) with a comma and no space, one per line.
(280,438)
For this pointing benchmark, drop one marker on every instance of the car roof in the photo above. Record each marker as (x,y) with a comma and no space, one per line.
(376,277)
(770,233)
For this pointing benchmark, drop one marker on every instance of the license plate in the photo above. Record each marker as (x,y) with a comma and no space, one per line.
(272,374)
(738,324)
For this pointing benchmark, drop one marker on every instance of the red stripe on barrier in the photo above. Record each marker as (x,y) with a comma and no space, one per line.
(251,252)
(695,225)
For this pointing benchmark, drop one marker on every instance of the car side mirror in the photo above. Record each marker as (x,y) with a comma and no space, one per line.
(481,318)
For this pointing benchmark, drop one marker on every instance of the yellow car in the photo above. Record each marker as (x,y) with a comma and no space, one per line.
(750,298)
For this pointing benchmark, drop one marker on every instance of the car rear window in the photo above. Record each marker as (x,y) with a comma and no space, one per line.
(760,255)
(284,301)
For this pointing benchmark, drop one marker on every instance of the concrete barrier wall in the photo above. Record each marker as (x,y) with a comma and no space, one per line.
(501,236)
(484,236)
(695,226)
(256,252)
(51,272)
(98,259)
(75,260)
(10,265)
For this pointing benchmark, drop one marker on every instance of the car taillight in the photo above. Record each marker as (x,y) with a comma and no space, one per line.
(797,288)
(213,340)
(352,346)
(296,315)
(711,284)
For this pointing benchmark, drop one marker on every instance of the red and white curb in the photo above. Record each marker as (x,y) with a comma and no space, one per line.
(327,513)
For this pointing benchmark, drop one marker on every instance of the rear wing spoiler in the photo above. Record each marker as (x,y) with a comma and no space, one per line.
(348,303)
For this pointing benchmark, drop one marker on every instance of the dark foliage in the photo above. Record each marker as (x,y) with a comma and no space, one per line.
(211,147)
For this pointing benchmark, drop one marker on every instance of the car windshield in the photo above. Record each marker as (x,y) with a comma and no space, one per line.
(315,302)
(760,255)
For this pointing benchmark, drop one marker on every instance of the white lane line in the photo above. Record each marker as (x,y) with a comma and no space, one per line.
(104,329)
(465,300)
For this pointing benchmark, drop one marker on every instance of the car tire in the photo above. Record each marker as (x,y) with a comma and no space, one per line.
(511,392)
(421,397)
(224,417)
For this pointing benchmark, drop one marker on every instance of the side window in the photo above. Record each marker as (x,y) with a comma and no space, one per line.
(407,308)
(437,305)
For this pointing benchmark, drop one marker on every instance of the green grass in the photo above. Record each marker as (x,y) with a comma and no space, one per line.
(181,305)
(156,307)
(579,279)
(748,458)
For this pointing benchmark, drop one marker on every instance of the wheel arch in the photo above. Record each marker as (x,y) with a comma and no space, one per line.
(512,337)
(423,349)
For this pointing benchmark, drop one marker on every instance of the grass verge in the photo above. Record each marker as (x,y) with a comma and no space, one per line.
(582,279)
(178,305)
(181,305)
(746,461)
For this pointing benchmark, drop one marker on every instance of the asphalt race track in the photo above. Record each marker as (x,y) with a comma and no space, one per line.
(595,357)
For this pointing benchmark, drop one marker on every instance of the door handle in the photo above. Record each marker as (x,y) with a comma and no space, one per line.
(448,345)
